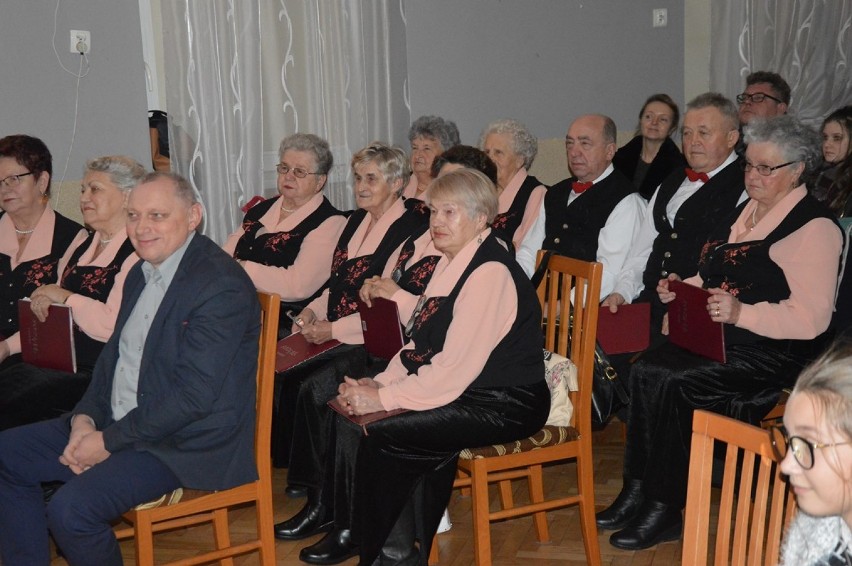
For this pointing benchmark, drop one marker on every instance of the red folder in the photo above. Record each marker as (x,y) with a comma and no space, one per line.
(628,330)
(48,344)
(363,420)
(294,351)
(690,325)
(381,328)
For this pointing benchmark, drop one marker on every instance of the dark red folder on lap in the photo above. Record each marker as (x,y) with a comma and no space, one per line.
(628,330)
(381,328)
(294,351)
(48,344)
(363,420)
(690,325)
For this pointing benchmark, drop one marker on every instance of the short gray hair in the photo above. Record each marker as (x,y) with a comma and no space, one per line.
(523,142)
(721,103)
(795,140)
(313,144)
(183,190)
(391,161)
(124,172)
(468,187)
(445,132)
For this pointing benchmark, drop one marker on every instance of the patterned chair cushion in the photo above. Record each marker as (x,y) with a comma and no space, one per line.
(548,436)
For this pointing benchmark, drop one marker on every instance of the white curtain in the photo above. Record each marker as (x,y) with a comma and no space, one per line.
(213,92)
(338,70)
(808,42)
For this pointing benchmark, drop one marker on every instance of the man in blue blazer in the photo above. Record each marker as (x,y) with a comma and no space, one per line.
(171,402)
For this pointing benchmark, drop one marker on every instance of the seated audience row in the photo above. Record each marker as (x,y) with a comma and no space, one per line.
(763,246)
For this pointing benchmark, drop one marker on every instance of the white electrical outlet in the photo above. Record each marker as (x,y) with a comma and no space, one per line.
(660,18)
(81,41)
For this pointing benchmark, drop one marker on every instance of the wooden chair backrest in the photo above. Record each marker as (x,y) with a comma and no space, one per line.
(270,307)
(577,341)
(755,505)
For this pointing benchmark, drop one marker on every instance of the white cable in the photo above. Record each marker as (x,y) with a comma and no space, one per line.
(74,130)
(78,74)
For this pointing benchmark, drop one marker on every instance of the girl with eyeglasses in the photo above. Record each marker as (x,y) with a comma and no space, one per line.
(815,445)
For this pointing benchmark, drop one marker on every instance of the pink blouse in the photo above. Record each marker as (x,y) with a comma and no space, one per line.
(809,258)
(348,328)
(39,245)
(533,205)
(313,264)
(476,328)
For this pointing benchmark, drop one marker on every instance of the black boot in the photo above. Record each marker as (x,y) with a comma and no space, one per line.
(399,548)
(623,509)
(655,523)
(313,518)
(333,548)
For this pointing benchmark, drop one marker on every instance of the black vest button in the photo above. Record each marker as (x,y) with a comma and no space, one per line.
(674,235)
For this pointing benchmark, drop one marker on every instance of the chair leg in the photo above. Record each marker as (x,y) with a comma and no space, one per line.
(144,540)
(481,509)
(265,531)
(434,552)
(506,498)
(536,487)
(586,488)
(222,534)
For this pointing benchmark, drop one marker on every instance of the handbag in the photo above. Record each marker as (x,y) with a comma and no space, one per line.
(608,392)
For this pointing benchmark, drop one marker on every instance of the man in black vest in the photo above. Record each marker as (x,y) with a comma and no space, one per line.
(596,214)
(686,206)
(681,215)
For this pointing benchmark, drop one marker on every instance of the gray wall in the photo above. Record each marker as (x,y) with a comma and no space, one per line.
(541,61)
(38,96)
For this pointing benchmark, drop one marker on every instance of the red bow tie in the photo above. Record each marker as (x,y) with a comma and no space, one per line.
(579,187)
(696,176)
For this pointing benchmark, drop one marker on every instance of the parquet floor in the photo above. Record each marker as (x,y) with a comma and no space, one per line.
(513,541)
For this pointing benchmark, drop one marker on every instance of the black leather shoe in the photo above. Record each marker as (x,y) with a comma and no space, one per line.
(296,491)
(655,523)
(333,548)
(312,519)
(623,509)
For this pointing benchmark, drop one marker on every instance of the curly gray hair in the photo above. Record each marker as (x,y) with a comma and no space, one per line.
(523,142)
(314,144)
(795,141)
(445,132)
(124,172)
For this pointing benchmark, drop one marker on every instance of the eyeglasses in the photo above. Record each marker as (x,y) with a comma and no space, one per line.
(297,171)
(756,98)
(764,170)
(13,181)
(803,450)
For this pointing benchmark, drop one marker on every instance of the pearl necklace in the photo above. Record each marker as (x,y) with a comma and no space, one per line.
(24,232)
(753,219)
(288,210)
(103,242)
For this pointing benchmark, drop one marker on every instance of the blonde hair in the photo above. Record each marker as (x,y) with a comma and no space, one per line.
(468,187)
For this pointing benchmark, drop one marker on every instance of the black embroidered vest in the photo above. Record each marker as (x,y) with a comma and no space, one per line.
(507,223)
(347,275)
(677,247)
(280,249)
(573,230)
(746,270)
(96,283)
(27,276)
(516,359)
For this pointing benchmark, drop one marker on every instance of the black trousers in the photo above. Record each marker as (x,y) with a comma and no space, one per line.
(30,394)
(669,383)
(414,454)
(311,420)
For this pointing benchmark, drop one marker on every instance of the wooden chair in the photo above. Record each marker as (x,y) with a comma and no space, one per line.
(755,504)
(198,507)
(524,459)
